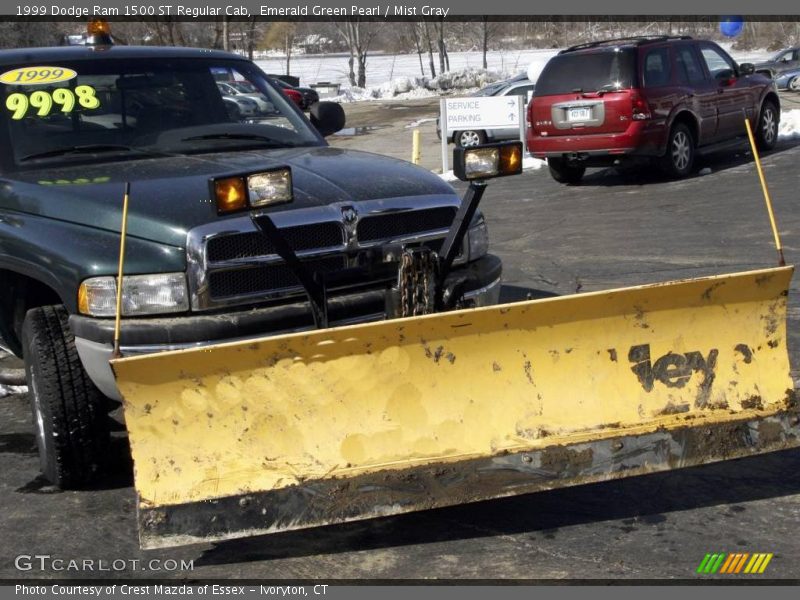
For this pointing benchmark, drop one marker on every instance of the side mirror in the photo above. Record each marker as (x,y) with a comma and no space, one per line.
(327,117)
(747,69)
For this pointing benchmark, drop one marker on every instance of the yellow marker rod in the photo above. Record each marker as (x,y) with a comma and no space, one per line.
(767,199)
(123,231)
(415,147)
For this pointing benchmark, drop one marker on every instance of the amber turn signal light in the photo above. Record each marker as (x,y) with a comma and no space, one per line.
(230,194)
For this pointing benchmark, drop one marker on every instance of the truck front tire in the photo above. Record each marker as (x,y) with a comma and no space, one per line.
(69,412)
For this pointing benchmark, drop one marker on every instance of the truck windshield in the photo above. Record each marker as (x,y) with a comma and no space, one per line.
(587,72)
(105,109)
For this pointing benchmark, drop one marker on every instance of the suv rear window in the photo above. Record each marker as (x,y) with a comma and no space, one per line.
(587,72)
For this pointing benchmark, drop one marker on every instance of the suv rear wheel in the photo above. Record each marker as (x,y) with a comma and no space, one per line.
(69,413)
(679,158)
(767,127)
(565,172)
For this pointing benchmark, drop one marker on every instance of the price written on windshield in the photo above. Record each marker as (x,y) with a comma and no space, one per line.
(44,101)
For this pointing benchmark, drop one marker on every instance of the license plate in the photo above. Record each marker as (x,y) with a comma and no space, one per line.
(579,114)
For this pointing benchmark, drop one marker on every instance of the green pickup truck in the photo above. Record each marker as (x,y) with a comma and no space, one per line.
(78,124)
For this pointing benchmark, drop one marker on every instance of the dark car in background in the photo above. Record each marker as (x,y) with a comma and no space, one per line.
(786,60)
(789,80)
(516,86)
(307,95)
(655,99)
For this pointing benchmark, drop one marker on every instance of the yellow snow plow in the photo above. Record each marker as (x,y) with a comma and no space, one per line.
(347,423)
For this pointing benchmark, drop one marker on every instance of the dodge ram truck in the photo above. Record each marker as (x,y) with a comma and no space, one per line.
(80,125)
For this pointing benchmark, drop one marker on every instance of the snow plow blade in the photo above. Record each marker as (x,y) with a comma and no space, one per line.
(334,425)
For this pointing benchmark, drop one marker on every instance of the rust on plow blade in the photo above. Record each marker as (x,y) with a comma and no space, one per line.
(334,425)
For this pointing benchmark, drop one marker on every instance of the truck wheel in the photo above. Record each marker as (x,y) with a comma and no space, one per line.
(679,158)
(69,413)
(767,126)
(469,138)
(564,172)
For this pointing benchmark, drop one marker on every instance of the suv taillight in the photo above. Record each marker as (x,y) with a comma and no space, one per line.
(640,110)
(529,114)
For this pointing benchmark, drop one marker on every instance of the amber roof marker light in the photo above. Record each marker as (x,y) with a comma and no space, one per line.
(98,33)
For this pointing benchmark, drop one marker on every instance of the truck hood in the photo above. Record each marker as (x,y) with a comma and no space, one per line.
(170,195)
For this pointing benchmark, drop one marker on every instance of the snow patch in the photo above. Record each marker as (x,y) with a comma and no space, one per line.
(8,390)
(419,122)
(790,125)
(705,171)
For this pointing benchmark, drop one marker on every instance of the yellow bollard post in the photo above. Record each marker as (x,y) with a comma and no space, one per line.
(767,199)
(415,147)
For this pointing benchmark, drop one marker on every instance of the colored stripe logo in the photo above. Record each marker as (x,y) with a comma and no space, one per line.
(733,564)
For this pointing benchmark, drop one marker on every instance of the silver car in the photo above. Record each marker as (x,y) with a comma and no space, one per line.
(240,107)
(238,89)
(516,86)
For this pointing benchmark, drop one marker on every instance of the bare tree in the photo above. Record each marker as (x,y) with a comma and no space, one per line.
(281,36)
(251,37)
(444,59)
(427,32)
(358,35)
(218,34)
(226,34)
(415,32)
(489,30)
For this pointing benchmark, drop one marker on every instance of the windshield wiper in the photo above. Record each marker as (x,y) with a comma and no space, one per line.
(86,149)
(236,136)
(609,87)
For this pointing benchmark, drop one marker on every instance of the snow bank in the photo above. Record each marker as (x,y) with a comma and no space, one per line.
(386,67)
(422,87)
(790,125)
(528,164)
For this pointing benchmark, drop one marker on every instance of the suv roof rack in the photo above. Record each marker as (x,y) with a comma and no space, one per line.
(637,39)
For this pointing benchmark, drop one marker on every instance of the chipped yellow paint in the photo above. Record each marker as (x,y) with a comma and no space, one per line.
(259,415)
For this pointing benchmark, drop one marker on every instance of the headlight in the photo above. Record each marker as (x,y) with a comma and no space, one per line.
(476,242)
(487,161)
(141,295)
(478,237)
(252,191)
(270,188)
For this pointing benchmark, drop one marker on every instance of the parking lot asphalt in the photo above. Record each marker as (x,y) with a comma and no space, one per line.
(615,229)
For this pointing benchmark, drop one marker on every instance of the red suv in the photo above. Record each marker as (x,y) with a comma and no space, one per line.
(663,99)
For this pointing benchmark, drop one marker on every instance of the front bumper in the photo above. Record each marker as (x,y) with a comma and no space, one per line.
(94,336)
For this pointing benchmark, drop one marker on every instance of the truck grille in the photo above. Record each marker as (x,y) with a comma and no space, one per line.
(235,264)
(254,243)
(394,225)
(254,280)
